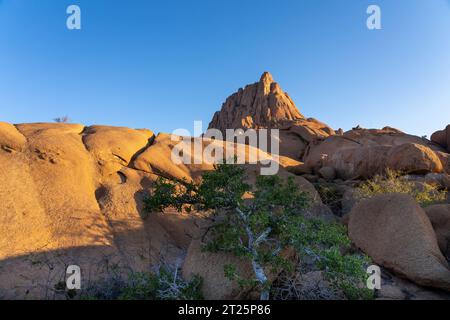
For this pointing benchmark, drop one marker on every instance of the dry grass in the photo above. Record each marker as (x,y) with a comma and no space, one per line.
(425,194)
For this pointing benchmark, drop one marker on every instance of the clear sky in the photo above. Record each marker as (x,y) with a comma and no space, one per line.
(163,64)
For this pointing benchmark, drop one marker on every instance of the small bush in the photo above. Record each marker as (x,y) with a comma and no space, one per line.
(64,119)
(328,245)
(161,285)
(347,272)
(425,194)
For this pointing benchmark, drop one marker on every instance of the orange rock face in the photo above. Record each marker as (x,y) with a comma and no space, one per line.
(72,194)
(68,197)
(413,158)
(362,153)
(259,105)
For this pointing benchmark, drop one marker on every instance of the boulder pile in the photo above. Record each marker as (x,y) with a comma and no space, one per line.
(73,194)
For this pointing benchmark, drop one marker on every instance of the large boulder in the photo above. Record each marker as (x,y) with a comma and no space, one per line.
(66,179)
(385,137)
(158,159)
(114,147)
(439,216)
(58,209)
(413,158)
(442,138)
(48,207)
(358,162)
(397,234)
(365,161)
(362,153)
(318,153)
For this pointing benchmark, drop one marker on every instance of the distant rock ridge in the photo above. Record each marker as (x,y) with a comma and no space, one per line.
(260,105)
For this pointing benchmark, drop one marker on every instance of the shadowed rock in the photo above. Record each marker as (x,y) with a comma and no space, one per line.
(397,234)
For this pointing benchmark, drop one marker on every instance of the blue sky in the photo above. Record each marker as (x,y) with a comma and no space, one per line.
(163,64)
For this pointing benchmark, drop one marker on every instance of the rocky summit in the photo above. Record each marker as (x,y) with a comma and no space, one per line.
(75,195)
(260,105)
(264,105)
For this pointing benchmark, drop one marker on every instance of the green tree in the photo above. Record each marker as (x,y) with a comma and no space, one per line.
(258,222)
(252,226)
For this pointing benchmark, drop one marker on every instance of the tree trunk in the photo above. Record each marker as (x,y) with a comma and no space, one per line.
(257,268)
(262,278)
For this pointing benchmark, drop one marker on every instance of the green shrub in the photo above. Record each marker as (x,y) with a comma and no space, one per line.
(249,229)
(347,272)
(260,228)
(328,245)
(161,285)
(425,194)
